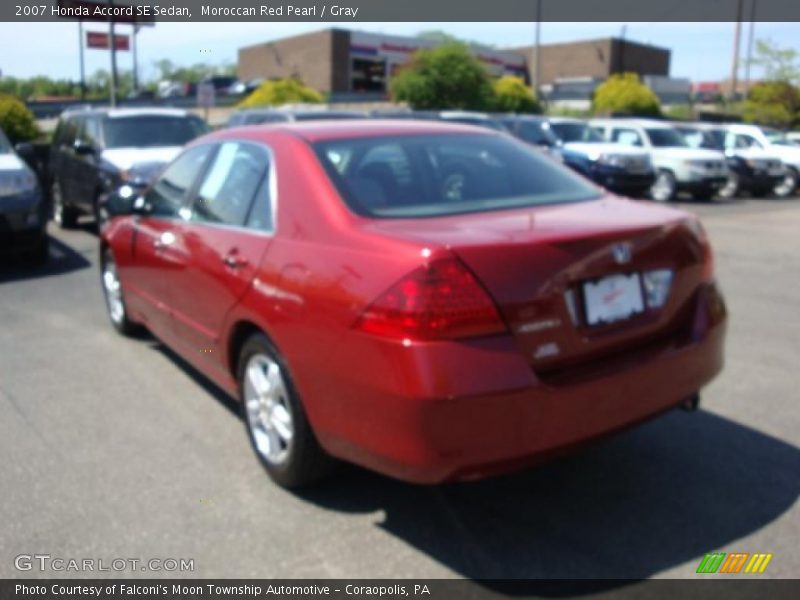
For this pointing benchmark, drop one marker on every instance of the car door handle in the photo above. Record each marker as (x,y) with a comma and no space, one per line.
(233,260)
(165,240)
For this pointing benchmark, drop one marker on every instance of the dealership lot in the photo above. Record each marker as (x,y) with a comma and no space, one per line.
(116,448)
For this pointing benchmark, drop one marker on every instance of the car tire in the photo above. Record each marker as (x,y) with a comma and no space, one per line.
(275,419)
(731,187)
(665,187)
(114,296)
(64,216)
(785,188)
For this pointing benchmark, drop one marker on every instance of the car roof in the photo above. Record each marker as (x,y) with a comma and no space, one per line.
(633,122)
(114,113)
(315,131)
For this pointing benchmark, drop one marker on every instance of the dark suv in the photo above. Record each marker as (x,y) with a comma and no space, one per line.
(96,151)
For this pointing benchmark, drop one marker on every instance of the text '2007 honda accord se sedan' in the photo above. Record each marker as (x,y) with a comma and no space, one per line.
(432,301)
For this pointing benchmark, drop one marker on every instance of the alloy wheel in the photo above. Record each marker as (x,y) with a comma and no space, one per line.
(269,411)
(113,292)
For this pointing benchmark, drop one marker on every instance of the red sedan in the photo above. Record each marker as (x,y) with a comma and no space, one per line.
(431,301)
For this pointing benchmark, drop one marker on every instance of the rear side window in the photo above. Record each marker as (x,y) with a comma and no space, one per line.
(67,132)
(445,174)
(143,131)
(228,188)
(167,195)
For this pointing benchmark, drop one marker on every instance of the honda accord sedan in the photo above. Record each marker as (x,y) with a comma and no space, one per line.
(432,301)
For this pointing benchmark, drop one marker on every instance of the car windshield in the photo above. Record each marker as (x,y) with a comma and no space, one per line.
(445,174)
(663,137)
(776,137)
(5,145)
(575,132)
(151,131)
(533,132)
(699,138)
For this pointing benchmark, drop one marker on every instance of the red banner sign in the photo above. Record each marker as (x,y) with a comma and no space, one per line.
(96,39)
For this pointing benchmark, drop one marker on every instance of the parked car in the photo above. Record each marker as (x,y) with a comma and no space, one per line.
(680,168)
(752,169)
(222,83)
(96,151)
(774,142)
(431,301)
(23,214)
(472,118)
(256,116)
(619,168)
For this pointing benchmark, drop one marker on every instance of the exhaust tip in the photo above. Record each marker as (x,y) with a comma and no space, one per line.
(692,403)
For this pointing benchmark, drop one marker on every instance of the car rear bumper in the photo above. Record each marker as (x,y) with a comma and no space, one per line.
(439,412)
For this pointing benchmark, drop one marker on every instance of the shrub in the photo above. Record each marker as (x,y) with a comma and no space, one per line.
(16,120)
(512,95)
(281,91)
(775,103)
(447,77)
(625,94)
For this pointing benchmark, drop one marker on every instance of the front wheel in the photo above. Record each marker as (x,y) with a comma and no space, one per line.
(665,187)
(274,417)
(731,187)
(65,216)
(114,297)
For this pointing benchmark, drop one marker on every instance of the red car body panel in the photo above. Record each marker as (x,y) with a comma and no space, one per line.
(429,411)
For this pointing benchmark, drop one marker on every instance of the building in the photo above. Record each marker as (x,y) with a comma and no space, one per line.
(351,65)
(594,60)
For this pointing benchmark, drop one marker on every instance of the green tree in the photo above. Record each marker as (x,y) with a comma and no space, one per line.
(16,120)
(625,94)
(445,77)
(779,64)
(512,95)
(775,103)
(281,91)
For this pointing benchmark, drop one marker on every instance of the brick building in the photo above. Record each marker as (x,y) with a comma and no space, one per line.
(356,64)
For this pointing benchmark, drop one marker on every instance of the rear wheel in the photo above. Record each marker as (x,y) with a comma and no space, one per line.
(665,187)
(274,417)
(787,185)
(65,216)
(114,297)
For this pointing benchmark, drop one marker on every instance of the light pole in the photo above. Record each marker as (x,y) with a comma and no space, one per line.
(537,63)
(749,47)
(113,40)
(735,63)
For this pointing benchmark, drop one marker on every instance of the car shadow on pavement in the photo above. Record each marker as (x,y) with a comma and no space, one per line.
(62,259)
(630,507)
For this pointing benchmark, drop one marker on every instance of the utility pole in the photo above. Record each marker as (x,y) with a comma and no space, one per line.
(622,34)
(749,47)
(735,63)
(80,53)
(537,63)
(113,39)
(135,59)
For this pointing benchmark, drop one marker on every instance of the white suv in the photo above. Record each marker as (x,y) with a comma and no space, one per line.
(776,142)
(680,168)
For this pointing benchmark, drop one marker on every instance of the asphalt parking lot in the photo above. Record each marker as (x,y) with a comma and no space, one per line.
(114,447)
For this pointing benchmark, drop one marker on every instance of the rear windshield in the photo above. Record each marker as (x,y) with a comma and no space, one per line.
(575,132)
(445,174)
(5,146)
(151,131)
(666,138)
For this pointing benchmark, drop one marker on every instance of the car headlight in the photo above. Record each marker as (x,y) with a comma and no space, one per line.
(17,182)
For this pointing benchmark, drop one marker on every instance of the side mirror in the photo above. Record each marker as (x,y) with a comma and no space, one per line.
(123,201)
(25,150)
(83,147)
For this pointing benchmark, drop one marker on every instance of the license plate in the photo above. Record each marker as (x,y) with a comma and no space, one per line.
(613,298)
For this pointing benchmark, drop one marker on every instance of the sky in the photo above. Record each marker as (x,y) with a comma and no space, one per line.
(700,51)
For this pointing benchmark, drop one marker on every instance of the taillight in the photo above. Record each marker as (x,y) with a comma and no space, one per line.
(697,229)
(442,300)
